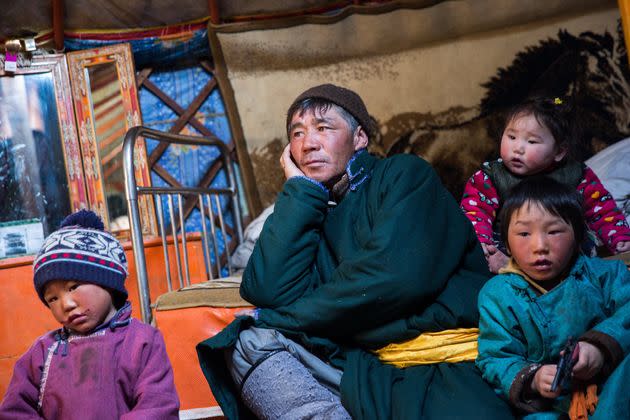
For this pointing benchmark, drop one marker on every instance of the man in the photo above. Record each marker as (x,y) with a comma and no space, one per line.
(358,254)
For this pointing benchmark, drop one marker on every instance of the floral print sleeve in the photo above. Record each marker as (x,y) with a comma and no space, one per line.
(480,203)
(601,212)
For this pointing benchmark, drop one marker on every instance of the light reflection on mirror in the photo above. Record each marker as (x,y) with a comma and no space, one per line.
(110,128)
(33,179)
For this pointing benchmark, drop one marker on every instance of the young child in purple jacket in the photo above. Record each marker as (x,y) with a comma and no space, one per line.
(102,364)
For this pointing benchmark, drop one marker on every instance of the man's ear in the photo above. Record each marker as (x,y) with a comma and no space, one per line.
(561,152)
(360,139)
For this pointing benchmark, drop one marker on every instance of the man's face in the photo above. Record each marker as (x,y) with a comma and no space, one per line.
(322,144)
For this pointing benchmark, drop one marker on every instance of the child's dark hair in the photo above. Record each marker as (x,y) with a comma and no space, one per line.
(557,114)
(554,197)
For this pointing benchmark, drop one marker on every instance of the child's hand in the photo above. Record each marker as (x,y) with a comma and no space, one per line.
(496,259)
(623,246)
(486,253)
(542,381)
(589,363)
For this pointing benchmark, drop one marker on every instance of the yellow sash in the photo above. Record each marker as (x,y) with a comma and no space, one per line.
(450,346)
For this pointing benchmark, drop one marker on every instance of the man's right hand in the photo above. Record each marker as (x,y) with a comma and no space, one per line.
(287,163)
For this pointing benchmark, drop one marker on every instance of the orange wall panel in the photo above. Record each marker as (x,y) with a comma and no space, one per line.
(183,329)
(24,318)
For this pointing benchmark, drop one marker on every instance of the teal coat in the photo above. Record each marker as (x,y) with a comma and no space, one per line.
(520,330)
(395,258)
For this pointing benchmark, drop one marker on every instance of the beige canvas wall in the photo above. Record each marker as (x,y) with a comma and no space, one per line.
(438,75)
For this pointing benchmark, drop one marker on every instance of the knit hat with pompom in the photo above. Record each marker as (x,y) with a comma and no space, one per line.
(82,251)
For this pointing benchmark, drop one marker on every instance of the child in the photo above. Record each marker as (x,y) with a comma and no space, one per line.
(535,140)
(102,363)
(547,294)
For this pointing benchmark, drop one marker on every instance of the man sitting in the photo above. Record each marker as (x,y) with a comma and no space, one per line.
(358,254)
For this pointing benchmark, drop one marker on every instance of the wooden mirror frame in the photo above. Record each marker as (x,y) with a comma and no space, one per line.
(56,65)
(78,62)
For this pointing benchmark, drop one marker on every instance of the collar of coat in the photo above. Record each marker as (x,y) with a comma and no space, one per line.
(525,281)
(357,171)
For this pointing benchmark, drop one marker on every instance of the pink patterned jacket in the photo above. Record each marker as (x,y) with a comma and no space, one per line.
(481,203)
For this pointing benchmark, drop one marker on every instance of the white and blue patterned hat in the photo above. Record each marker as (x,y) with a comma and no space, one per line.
(81,250)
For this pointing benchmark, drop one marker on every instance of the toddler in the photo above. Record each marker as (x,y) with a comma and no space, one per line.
(536,140)
(101,364)
(548,293)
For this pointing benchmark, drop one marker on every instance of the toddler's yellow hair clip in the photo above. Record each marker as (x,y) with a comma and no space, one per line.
(557,101)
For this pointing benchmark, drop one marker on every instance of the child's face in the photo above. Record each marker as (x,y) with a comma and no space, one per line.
(527,147)
(80,307)
(541,243)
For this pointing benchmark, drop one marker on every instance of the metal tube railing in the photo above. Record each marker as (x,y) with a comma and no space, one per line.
(206,245)
(164,243)
(133,190)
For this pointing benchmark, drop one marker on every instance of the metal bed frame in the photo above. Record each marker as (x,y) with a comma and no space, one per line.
(204,197)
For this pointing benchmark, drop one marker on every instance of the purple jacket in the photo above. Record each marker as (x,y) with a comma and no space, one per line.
(119,371)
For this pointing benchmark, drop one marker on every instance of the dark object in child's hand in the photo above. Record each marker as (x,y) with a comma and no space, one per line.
(568,359)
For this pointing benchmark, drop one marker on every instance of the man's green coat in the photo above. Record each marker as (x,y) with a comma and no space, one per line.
(393,259)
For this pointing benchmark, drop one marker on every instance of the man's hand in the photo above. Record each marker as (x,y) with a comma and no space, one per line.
(289,166)
(590,362)
(496,259)
(623,246)
(543,378)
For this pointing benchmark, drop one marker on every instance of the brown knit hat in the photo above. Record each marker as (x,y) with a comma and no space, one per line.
(342,97)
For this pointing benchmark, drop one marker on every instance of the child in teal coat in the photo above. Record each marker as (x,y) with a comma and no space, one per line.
(547,294)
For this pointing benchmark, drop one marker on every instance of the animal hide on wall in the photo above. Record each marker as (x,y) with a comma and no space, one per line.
(590,68)
(444,99)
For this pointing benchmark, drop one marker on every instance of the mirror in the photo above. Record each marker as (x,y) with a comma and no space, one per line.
(41,177)
(106,103)
(109,127)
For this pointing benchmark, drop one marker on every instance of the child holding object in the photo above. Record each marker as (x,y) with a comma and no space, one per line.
(548,294)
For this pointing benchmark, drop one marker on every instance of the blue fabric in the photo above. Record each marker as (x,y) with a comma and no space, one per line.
(188,164)
(152,51)
(518,328)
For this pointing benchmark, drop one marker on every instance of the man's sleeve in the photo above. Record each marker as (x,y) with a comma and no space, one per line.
(417,240)
(281,267)
(480,203)
(21,398)
(601,212)
(154,392)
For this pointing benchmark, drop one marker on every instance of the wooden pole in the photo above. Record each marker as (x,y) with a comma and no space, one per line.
(624,10)
(57,18)
(215,15)
(234,120)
